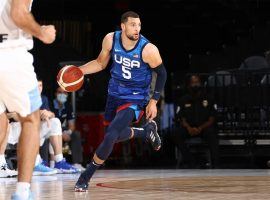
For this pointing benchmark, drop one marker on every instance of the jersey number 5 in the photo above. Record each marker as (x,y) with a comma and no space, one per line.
(126,73)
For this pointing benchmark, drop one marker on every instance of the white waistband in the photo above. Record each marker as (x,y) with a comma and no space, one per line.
(27,43)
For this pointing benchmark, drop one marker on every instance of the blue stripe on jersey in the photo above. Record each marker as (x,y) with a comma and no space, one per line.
(131,76)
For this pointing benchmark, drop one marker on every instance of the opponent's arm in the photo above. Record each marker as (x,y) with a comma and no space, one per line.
(23,18)
(103,58)
(152,57)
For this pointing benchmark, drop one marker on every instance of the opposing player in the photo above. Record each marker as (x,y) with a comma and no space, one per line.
(18,84)
(133,60)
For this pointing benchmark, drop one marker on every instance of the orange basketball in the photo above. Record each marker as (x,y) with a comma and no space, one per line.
(70,78)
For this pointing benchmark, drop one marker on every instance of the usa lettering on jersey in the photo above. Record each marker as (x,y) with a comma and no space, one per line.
(127,64)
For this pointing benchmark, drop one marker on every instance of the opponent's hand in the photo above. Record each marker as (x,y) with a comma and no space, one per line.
(48,34)
(151,110)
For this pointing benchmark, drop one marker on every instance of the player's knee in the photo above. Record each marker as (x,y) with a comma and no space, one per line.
(33,118)
(110,137)
(114,127)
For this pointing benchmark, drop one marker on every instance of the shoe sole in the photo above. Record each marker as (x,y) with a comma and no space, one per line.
(9,176)
(64,171)
(80,190)
(44,174)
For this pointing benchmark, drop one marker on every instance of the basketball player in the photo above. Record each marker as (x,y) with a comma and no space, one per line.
(18,84)
(134,58)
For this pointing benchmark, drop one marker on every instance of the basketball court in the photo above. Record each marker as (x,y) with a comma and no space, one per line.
(152,184)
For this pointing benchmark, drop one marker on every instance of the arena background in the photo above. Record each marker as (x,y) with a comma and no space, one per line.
(195,36)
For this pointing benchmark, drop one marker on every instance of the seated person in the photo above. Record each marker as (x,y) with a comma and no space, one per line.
(50,127)
(64,111)
(195,117)
(5,171)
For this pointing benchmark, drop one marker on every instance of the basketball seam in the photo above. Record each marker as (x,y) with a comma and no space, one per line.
(61,82)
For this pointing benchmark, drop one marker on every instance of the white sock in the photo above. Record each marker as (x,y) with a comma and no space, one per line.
(2,160)
(52,163)
(58,157)
(38,160)
(23,189)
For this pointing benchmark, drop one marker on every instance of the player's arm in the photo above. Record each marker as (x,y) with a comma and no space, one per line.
(151,56)
(23,18)
(103,58)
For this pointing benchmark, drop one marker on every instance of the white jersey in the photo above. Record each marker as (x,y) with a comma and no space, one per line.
(12,35)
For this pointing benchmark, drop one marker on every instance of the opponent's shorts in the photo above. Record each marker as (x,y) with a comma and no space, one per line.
(18,83)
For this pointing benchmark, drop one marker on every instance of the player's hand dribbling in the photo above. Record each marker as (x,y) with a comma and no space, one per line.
(48,34)
(151,110)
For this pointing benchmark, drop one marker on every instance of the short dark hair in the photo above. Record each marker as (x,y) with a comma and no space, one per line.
(39,78)
(128,14)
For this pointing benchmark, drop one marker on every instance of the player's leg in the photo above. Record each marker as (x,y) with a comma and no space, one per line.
(3,143)
(20,94)
(148,131)
(120,124)
(3,129)
(26,155)
(4,169)
(121,121)
(3,126)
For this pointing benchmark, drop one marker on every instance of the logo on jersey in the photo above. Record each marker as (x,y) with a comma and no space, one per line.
(127,64)
(3,37)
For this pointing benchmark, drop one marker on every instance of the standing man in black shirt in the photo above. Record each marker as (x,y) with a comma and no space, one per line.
(196,113)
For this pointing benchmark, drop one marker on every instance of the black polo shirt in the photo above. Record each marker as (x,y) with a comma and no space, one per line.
(196,110)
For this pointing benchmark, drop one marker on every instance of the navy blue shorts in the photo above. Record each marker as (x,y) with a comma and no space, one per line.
(114,105)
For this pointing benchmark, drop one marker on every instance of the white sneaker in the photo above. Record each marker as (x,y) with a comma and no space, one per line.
(16,196)
(5,172)
(79,167)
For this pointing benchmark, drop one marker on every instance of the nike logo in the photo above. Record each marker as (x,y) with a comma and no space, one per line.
(136,93)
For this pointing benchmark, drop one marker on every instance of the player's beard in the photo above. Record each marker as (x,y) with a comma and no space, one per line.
(132,37)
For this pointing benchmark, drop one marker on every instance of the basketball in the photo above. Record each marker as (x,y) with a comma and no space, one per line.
(70,78)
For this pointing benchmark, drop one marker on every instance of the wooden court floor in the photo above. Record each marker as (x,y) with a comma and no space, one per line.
(153,184)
